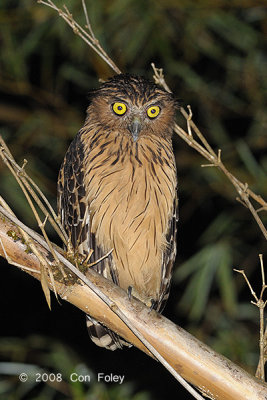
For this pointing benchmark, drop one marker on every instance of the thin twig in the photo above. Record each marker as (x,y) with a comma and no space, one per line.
(84,35)
(88,24)
(32,188)
(242,272)
(215,160)
(26,190)
(261,304)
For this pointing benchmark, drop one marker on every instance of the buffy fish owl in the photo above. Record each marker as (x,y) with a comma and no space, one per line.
(117,189)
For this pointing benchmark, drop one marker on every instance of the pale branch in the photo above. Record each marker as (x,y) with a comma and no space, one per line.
(112,305)
(214,375)
(31,247)
(19,175)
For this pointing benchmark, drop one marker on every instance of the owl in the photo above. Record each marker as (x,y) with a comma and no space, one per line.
(117,189)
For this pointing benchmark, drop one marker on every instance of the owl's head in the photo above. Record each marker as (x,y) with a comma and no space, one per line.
(134,106)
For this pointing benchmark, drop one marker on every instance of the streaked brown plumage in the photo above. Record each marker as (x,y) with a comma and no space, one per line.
(117,189)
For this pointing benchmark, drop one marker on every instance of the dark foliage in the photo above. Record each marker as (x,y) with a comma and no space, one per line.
(214,58)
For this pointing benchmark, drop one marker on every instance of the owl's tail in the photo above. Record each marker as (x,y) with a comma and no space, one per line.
(103,336)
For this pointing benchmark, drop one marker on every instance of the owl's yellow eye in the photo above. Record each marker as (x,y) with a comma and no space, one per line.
(153,111)
(119,108)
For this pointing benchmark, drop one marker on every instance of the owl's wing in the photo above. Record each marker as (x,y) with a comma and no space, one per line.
(73,209)
(168,258)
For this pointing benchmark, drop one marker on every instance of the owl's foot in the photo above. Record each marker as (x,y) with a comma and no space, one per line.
(129,291)
(150,303)
(153,304)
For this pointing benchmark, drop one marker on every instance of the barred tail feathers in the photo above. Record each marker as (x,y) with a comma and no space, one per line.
(103,336)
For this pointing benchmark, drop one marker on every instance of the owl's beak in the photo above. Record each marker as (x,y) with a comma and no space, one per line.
(135,127)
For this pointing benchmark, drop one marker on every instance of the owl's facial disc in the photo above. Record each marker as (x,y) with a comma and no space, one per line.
(135,127)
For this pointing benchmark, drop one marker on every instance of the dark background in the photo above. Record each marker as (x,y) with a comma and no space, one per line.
(214,58)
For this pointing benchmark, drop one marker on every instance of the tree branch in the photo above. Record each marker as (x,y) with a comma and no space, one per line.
(214,375)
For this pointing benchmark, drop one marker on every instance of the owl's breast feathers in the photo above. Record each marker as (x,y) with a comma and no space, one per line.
(118,194)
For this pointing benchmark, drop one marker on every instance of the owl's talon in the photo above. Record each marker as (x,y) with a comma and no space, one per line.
(152,306)
(129,291)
